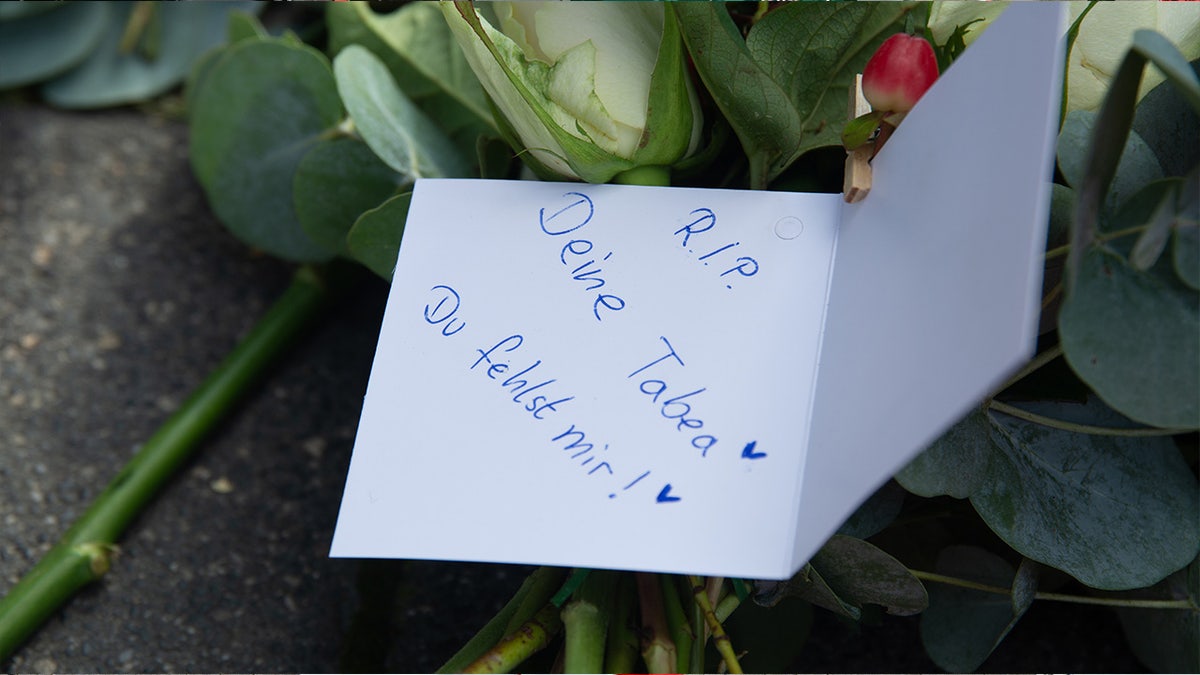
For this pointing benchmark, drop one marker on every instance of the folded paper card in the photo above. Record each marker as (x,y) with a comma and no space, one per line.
(704,381)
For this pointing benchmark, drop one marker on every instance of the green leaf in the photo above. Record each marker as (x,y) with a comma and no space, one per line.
(1138,167)
(20,10)
(1114,512)
(1186,255)
(784,88)
(374,240)
(335,182)
(416,45)
(1131,336)
(1025,585)
(861,573)
(963,626)
(875,514)
(1153,240)
(391,125)
(1113,126)
(35,46)
(1170,126)
(955,463)
(1062,201)
(1167,640)
(808,585)
(858,130)
(258,111)
(244,26)
(110,77)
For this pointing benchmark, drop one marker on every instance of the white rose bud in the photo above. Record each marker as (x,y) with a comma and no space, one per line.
(590,90)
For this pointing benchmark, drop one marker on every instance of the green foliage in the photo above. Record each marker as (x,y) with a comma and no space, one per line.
(1114,512)
(847,574)
(374,240)
(390,124)
(1168,641)
(104,54)
(336,181)
(36,46)
(261,107)
(784,87)
(963,625)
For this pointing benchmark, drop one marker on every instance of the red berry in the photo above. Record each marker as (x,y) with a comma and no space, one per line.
(899,73)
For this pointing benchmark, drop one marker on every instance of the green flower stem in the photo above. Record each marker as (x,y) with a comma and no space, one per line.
(1081,428)
(1058,597)
(720,639)
(585,623)
(726,606)
(621,652)
(677,623)
(658,651)
(699,628)
(1100,239)
(530,637)
(84,552)
(645,175)
(534,593)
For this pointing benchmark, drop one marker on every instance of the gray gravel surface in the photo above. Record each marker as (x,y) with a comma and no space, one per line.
(119,291)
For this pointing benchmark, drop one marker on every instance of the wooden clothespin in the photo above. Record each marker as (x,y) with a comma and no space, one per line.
(858,161)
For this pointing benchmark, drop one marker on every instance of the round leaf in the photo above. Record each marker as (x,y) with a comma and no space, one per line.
(374,240)
(962,625)
(955,463)
(1114,512)
(1131,336)
(1138,165)
(335,183)
(114,77)
(43,44)
(260,108)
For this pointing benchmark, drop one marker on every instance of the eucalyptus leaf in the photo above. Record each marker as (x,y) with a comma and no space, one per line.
(20,10)
(1166,640)
(391,125)
(1062,201)
(113,77)
(1025,585)
(955,463)
(37,45)
(860,573)
(1169,125)
(1186,249)
(875,514)
(962,626)
(1131,336)
(1154,238)
(418,49)
(335,182)
(1114,512)
(1138,166)
(1186,255)
(259,109)
(1111,129)
(374,240)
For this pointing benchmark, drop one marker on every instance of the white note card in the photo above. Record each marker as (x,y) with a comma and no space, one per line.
(703,381)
